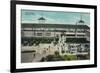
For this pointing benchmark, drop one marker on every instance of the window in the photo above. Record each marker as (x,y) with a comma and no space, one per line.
(27,28)
(80,30)
(39,34)
(48,34)
(70,34)
(71,30)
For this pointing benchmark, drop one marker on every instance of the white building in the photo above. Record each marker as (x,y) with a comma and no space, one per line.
(62,34)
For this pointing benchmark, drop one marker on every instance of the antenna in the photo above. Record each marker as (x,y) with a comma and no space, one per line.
(41,19)
(42,14)
(80,16)
(81,20)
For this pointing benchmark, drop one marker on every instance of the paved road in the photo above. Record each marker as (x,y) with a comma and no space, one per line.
(30,57)
(37,57)
(26,57)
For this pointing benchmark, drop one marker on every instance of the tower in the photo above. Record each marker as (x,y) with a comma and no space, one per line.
(41,19)
(81,22)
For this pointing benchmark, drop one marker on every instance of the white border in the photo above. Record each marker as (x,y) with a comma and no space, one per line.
(20,65)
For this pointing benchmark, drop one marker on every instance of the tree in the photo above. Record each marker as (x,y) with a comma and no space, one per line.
(56,53)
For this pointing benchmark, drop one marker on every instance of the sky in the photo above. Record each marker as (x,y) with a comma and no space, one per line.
(54,17)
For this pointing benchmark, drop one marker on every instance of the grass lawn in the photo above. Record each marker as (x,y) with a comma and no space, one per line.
(59,58)
(69,57)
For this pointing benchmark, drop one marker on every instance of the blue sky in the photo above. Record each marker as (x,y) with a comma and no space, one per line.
(32,16)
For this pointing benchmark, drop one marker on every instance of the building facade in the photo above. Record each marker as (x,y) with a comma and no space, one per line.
(54,30)
(65,38)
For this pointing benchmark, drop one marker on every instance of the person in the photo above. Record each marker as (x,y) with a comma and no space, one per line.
(34,55)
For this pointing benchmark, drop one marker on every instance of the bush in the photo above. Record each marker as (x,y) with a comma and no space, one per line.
(63,51)
(50,58)
(56,53)
(43,59)
(70,57)
(76,40)
(53,58)
(37,43)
